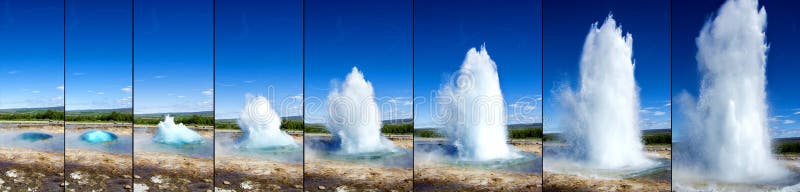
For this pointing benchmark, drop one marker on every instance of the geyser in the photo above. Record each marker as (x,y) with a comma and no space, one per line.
(600,119)
(473,109)
(34,136)
(261,126)
(178,135)
(354,118)
(97,136)
(727,125)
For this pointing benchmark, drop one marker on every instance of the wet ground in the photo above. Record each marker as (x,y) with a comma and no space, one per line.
(323,173)
(166,168)
(33,165)
(430,174)
(268,171)
(99,166)
(659,180)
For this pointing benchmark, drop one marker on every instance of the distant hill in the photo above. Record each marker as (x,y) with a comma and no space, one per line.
(398,121)
(176,114)
(31,110)
(99,111)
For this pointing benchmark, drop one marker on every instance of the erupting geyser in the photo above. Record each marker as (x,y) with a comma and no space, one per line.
(728,131)
(474,110)
(354,117)
(601,118)
(98,136)
(170,133)
(261,126)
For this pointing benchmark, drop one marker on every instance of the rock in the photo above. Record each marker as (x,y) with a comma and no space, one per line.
(127,187)
(137,176)
(207,180)
(321,187)
(226,182)
(298,186)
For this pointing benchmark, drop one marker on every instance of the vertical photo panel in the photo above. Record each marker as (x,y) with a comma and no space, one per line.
(259,96)
(607,103)
(358,89)
(32,95)
(173,102)
(99,115)
(735,95)
(477,95)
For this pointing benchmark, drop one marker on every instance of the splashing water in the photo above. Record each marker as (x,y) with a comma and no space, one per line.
(728,131)
(261,126)
(601,117)
(98,136)
(354,117)
(473,108)
(178,135)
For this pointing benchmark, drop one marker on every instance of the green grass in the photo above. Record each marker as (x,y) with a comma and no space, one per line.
(396,129)
(517,132)
(286,124)
(790,147)
(32,115)
(657,139)
(186,119)
(112,116)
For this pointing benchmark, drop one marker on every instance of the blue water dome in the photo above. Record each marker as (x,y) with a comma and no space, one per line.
(34,136)
(97,136)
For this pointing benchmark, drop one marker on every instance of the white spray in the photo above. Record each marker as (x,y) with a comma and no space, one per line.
(601,119)
(261,125)
(170,133)
(473,109)
(354,117)
(728,131)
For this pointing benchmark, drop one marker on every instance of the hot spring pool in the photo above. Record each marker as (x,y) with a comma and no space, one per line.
(328,148)
(226,146)
(121,145)
(526,163)
(32,140)
(145,143)
(555,161)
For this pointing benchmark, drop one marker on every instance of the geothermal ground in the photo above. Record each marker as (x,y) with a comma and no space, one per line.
(430,176)
(236,173)
(173,172)
(567,182)
(97,170)
(22,169)
(328,175)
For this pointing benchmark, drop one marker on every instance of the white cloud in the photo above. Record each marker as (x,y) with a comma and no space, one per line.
(788,121)
(659,113)
(160,76)
(209,92)
(127,89)
(12,72)
(60,87)
(100,93)
(181,96)
(249,81)
(797,112)
(35,92)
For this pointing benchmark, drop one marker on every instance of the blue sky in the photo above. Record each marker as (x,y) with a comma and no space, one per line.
(443,33)
(374,36)
(259,52)
(783,25)
(565,28)
(32,59)
(173,56)
(98,71)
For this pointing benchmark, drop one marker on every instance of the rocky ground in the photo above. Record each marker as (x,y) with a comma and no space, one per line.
(23,169)
(429,176)
(567,182)
(154,171)
(234,173)
(329,175)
